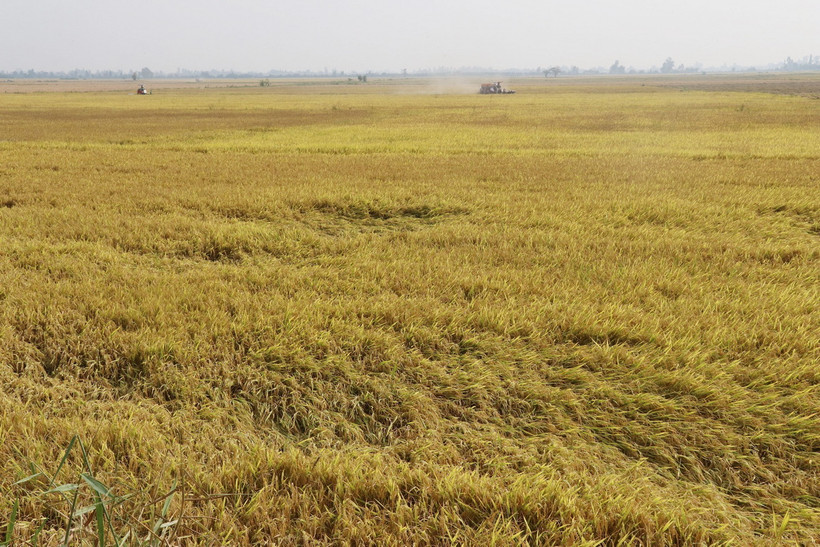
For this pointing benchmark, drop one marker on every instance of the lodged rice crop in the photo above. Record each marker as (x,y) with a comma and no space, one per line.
(313,312)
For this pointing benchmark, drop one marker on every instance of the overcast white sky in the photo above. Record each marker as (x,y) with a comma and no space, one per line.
(381,35)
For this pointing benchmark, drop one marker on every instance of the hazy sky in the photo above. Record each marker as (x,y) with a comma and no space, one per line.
(380,35)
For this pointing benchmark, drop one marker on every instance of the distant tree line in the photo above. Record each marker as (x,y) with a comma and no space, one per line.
(76,74)
(811,62)
(808,63)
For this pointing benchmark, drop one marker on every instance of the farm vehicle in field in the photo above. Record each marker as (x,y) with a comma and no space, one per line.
(143,91)
(494,88)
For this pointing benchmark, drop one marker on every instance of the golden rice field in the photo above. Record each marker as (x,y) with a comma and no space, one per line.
(404,314)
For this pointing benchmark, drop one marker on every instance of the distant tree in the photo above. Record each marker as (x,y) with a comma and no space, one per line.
(146,73)
(555,71)
(668,65)
(617,68)
(808,62)
(134,76)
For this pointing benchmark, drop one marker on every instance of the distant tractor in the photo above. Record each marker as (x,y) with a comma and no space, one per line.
(494,88)
(143,91)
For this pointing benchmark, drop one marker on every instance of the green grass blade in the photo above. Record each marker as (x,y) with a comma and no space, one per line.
(100,522)
(84,510)
(12,521)
(29,478)
(62,461)
(85,458)
(36,536)
(167,505)
(102,492)
(63,488)
(96,485)
(70,518)
(103,517)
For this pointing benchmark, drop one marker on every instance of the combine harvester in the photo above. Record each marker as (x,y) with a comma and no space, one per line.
(494,88)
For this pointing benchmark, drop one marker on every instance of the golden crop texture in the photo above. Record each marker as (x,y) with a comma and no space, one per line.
(392,313)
